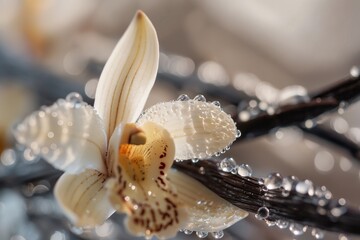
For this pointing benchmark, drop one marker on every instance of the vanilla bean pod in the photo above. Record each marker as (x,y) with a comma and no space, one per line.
(283,117)
(249,194)
(336,139)
(343,93)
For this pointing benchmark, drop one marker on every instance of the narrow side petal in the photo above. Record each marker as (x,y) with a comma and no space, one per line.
(70,137)
(207,211)
(84,198)
(128,75)
(199,129)
(140,187)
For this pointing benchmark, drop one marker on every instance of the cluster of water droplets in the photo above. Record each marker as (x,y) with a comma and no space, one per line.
(201,98)
(230,165)
(319,195)
(54,120)
(201,234)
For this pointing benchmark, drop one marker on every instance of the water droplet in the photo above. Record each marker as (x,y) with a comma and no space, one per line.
(287,183)
(202,170)
(343,237)
(292,95)
(227,164)
(238,133)
(201,234)
(270,110)
(262,213)
(273,181)
(216,103)
(8,157)
(200,98)
(77,230)
(30,155)
(270,223)
(317,233)
(322,192)
(305,187)
(342,106)
(50,134)
(309,123)
(218,235)
(338,211)
(105,230)
(297,229)
(282,224)
(324,161)
(244,170)
(355,71)
(58,235)
(75,99)
(244,116)
(195,160)
(188,232)
(183,97)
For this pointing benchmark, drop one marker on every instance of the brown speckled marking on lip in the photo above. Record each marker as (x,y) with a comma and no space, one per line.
(143,191)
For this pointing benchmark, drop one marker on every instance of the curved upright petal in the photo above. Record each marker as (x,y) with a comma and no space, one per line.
(199,129)
(83,197)
(69,136)
(207,211)
(128,75)
(140,187)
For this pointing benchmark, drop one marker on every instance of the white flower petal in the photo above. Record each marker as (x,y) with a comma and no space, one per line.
(207,211)
(84,198)
(70,137)
(140,187)
(128,75)
(199,129)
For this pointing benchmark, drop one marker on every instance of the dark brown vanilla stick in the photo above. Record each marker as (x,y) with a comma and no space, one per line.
(249,194)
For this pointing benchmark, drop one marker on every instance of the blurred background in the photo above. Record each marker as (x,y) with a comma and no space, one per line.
(269,51)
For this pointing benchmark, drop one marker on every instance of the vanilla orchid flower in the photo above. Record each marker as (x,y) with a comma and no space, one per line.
(115,159)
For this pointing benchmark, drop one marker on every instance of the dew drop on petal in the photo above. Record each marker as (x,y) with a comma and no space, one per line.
(201,234)
(216,103)
(105,230)
(297,229)
(244,170)
(183,97)
(227,164)
(218,235)
(200,98)
(74,98)
(188,232)
(262,213)
(238,133)
(273,181)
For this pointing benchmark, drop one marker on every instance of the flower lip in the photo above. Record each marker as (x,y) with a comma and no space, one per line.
(140,187)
